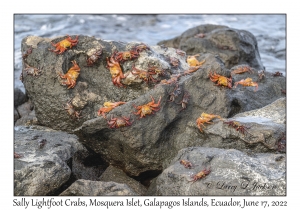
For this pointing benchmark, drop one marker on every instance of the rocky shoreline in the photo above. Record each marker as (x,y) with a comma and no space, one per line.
(73,138)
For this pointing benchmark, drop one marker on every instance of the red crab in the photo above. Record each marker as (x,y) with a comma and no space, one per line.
(126,55)
(184,100)
(144,75)
(156,70)
(205,118)
(108,106)
(186,164)
(221,80)
(200,175)
(238,127)
(241,69)
(115,71)
(63,45)
(94,57)
(148,108)
(117,122)
(247,82)
(71,76)
(172,80)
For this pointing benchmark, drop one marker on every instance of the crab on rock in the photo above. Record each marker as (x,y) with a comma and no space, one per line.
(115,71)
(71,110)
(126,55)
(108,106)
(71,76)
(32,70)
(94,57)
(240,69)
(221,80)
(63,45)
(184,100)
(192,61)
(247,82)
(117,122)
(144,75)
(148,108)
(200,175)
(205,118)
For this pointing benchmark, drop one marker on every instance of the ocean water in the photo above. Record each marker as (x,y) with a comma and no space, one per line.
(269,30)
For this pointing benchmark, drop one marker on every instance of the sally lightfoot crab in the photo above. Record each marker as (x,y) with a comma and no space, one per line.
(115,71)
(200,175)
(148,108)
(32,70)
(240,69)
(71,76)
(108,106)
(94,57)
(71,110)
(221,80)
(63,45)
(144,75)
(205,118)
(184,100)
(247,82)
(117,122)
(237,126)
(186,164)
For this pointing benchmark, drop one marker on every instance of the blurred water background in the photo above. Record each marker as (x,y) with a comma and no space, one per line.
(269,30)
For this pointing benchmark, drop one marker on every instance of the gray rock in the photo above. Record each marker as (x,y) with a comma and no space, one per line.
(83,187)
(233,173)
(140,147)
(113,174)
(19,97)
(25,108)
(42,167)
(16,115)
(233,46)
(164,130)
(276,112)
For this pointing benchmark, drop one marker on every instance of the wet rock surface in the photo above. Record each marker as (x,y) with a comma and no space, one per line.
(232,172)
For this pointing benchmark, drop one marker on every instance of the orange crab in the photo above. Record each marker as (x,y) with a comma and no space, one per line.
(141,47)
(115,71)
(192,61)
(144,75)
(148,108)
(200,175)
(108,106)
(63,45)
(126,55)
(241,69)
(221,80)
(247,82)
(205,118)
(71,76)
(117,122)
(186,164)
